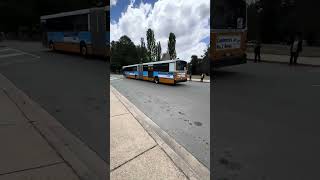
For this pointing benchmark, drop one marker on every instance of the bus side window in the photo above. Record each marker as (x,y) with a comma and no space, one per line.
(171,67)
(145,68)
(156,67)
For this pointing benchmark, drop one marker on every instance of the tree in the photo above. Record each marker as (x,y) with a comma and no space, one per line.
(200,65)
(194,64)
(158,51)
(151,45)
(142,52)
(123,52)
(172,46)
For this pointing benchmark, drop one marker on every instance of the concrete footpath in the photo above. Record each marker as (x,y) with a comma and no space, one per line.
(276,58)
(35,146)
(24,153)
(139,152)
(197,78)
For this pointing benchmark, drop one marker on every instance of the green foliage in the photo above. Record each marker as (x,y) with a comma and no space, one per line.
(200,65)
(151,45)
(123,52)
(142,52)
(159,51)
(172,46)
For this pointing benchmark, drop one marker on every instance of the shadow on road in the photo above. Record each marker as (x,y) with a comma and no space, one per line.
(72,54)
(181,84)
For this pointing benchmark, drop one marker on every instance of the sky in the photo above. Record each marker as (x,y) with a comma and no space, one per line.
(187,19)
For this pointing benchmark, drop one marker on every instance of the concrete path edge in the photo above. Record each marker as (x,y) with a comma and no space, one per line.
(184,160)
(83,161)
(279,62)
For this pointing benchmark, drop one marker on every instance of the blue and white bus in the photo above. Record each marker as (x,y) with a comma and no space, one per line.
(168,71)
(84,31)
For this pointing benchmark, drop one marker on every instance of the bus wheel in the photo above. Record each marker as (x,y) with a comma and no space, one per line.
(156,80)
(51,46)
(84,50)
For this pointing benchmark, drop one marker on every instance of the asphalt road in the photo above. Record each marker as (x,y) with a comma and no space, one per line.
(266,122)
(69,87)
(183,111)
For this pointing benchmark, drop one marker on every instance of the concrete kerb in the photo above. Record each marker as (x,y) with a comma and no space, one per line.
(199,80)
(184,160)
(280,62)
(83,161)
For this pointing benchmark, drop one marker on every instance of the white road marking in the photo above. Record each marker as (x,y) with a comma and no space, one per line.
(6,49)
(35,56)
(18,61)
(19,52)
(10,55)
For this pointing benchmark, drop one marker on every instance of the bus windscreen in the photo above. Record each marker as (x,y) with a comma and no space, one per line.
(181,65)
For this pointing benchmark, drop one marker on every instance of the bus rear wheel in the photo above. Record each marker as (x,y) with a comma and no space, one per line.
(84,50)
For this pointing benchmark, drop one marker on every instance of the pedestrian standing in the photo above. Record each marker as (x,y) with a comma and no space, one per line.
(190,76)
(257,48)
(295,49)
(202,77)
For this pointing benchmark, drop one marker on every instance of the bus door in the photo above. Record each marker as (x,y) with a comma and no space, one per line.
(140,71)
(98,31)
(150,72)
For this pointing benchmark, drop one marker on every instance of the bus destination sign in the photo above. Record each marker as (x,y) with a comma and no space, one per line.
(228,42)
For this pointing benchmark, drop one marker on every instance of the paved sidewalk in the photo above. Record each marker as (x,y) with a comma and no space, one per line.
(197,78)
(35,146)
(24,153)
(312,61)
(134,154)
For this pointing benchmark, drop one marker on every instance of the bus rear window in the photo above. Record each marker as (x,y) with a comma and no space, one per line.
(181,65)
(228,14)
(133,68)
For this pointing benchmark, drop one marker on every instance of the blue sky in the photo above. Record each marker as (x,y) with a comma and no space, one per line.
(122,5)
(134,17)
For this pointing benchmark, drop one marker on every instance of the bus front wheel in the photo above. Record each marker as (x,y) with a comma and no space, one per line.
(156,80)
(51,46)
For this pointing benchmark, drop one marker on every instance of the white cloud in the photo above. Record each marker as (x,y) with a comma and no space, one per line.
(187,19)
(113,2)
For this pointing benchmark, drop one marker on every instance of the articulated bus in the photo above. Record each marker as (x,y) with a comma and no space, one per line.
(167,72)
(228,32)
(84,31)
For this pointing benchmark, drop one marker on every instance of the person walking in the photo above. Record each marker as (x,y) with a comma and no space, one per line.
(295,49)
(190,75)
(257,47)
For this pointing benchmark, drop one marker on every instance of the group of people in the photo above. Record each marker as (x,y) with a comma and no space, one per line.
(295,49)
